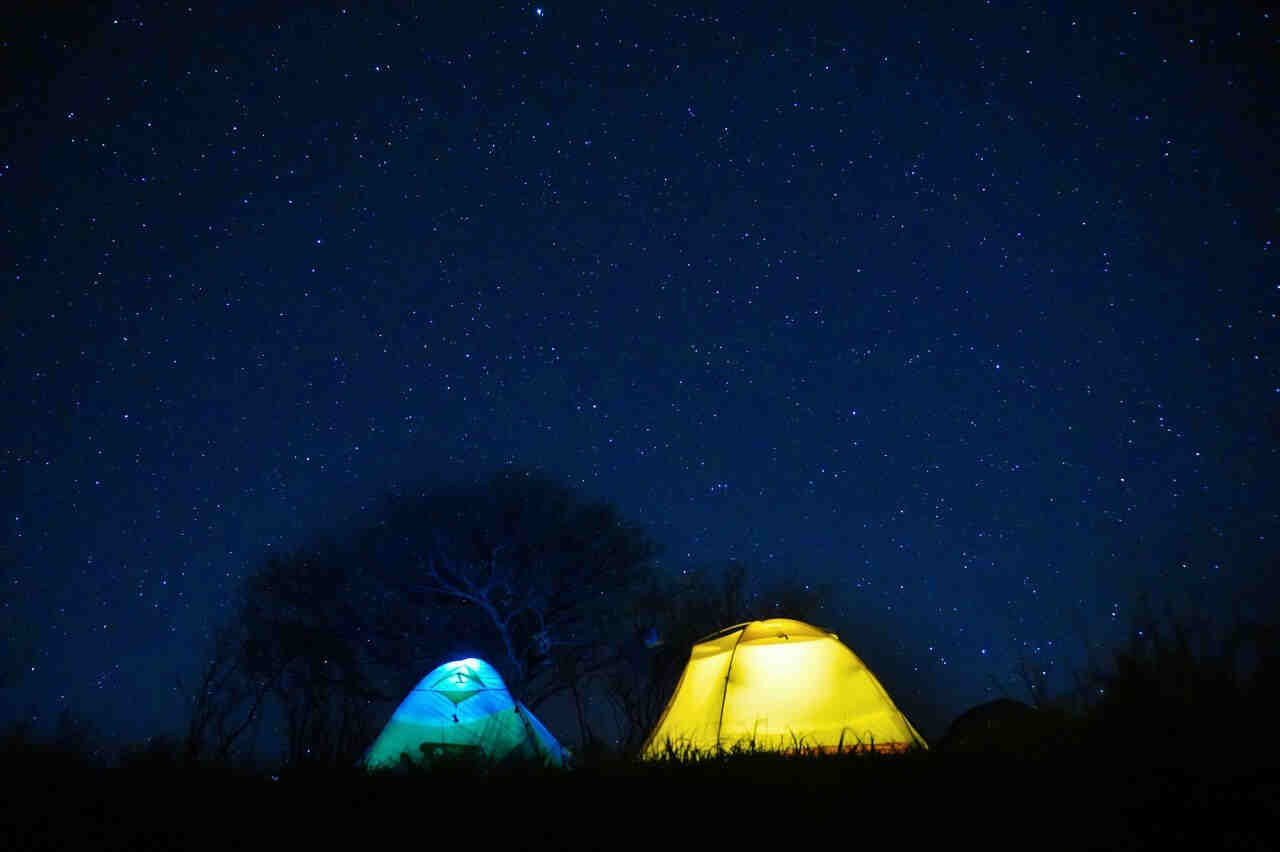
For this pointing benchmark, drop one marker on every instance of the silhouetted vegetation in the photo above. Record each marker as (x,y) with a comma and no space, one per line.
(75,743)
(1165,740)
(518,569)
(532,569)
(1179,690)
(300,640)
(1173,751)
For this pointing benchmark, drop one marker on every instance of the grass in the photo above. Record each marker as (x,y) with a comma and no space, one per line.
(1098,793)
(1174,752)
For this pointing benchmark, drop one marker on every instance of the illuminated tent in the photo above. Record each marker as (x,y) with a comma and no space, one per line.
(777,685)
(462,709)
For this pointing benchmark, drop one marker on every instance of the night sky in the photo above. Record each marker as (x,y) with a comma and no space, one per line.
(970,313)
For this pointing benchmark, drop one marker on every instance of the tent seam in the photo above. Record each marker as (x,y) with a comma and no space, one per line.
(728,672)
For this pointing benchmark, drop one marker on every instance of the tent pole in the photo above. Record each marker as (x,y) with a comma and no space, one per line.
(725,694)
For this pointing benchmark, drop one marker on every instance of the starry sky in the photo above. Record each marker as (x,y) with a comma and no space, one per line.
(967,309)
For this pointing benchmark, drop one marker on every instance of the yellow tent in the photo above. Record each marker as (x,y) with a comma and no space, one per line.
(778,685)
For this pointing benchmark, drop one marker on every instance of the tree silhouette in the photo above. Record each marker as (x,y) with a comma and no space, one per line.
(518,569)
(535,568)
(302,635)
(226,701)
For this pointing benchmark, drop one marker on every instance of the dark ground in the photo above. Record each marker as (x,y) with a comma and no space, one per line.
(1081,800)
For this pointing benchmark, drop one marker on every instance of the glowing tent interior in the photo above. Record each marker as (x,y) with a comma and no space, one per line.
(777,685)
(462,709)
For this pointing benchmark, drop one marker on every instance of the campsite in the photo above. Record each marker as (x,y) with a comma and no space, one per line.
(488,772)
(639,425)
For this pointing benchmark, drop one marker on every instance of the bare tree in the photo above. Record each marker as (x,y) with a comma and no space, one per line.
(225,703)
(518,569)
(541,570)
(301,638)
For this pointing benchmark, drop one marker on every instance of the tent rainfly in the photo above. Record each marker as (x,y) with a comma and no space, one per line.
(777,685)
(462,709)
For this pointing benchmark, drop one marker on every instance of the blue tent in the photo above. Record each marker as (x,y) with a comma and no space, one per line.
(463,709)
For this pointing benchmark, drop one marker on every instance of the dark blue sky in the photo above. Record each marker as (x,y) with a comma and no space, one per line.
(970,313)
